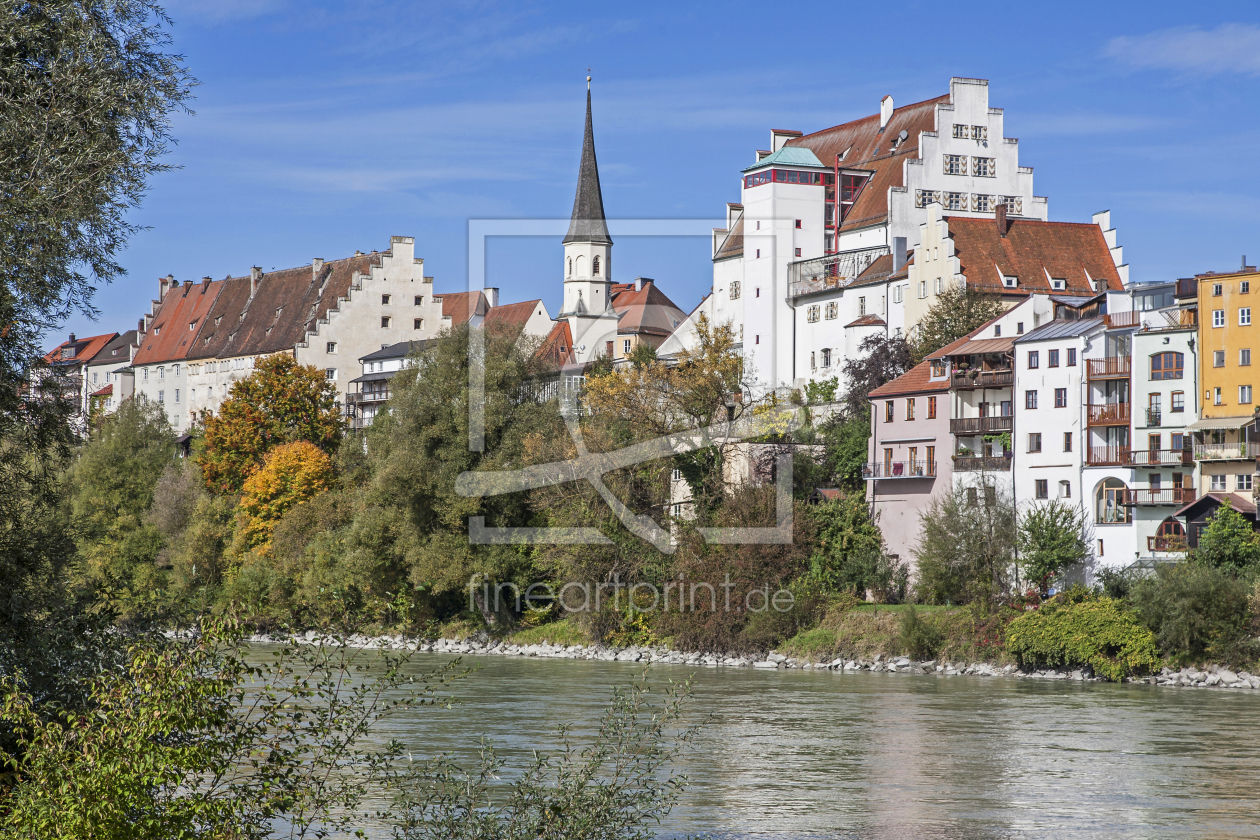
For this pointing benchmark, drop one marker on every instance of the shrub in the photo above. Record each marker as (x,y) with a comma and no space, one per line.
(1053,537)
(849,557)
(919,639)
(1229,542)
(1195,611)
(1099,632)
(967,544)
(293,473)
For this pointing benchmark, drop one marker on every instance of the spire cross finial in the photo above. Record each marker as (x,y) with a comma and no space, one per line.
(588,77)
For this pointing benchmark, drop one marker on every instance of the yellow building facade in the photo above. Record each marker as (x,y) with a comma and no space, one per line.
(1226,442)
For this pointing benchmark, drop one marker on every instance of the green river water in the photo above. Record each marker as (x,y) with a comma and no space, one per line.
(801,754)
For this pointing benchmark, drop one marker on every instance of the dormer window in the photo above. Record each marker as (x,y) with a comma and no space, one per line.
(1010,282)
(1058,285)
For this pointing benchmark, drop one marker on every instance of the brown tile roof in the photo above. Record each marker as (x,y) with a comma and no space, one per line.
(510,315)
(117,351)
(646,312)
(1071,251)
(877,272)
(173,330)
(557,347)
(460,307)
(85,349)
(733,245)
(1238,502)
(870,149)
(867,321)
(913,381)
(955,347)
(107,391)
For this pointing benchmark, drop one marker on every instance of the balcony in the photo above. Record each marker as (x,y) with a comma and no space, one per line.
(1226,451)
(834,271)
(968,379)
(1153,417)
(1107,456)
(1160,458)
(1109,414)
(899,469)
(1123,319)
(967,463)
(1115,367)
(1168,496)
(1187,287)
(1177,544)
(368,397)
(982,425)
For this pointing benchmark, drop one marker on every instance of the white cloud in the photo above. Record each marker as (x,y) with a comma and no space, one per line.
(1229,48)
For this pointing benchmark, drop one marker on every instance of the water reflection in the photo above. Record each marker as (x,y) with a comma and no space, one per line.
(820,755)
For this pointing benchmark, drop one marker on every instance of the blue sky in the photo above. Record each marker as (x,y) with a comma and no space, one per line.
(322,128)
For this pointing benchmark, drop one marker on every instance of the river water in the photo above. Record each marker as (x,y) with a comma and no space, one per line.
(799,754)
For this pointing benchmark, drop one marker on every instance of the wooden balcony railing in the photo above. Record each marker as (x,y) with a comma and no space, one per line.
(1177,496)
(1165,543)
(1124,319)
(1187,287)
(1107,456)
(1109,414)
(1226,451)
(964,379)
(1160,458)
(899,469)
(981,425)
(1114,367)
(967,463)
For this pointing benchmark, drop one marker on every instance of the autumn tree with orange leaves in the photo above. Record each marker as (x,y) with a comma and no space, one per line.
(280,402)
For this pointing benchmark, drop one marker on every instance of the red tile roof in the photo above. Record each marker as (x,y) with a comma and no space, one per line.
(510,315)
(557,347)
(107,391)
(85,349)
(1031,249)
(867,321)
(646,312)
(173,330)
(460,307)
(913,381)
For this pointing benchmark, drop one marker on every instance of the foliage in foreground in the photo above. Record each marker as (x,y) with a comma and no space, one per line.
(1198,612)
(967,544)
(1097,632)
(1053,538)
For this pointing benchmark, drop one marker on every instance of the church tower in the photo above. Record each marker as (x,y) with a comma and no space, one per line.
(587,249)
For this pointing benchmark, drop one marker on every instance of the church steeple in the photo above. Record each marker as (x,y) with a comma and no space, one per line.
(588,224)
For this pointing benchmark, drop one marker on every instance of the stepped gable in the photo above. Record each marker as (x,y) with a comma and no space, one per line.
(865,147)
(277,316)
(173,328)
(1073,251)
(648,311)
(461,307)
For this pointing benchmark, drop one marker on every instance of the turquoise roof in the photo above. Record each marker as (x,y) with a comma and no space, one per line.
(788,156)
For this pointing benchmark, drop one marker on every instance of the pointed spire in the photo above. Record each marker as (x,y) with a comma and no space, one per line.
(588,224)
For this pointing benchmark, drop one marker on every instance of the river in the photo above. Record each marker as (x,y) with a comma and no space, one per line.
(801,754)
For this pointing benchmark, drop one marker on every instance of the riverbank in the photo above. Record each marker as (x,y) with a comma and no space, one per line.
(1210,677)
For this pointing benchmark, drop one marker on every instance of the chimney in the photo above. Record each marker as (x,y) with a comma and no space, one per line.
(492,296)
(205,279)
(255,276)
(317,265)
(72,338)
(140,327)
(999,216)
(165,284)
(187,283)
(885,112)
(899,252)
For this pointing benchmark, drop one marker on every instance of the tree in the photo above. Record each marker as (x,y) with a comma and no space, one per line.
(1053,537)
(1197,611)
(280,402)
(1229,542)
(880,360)
(850,557)
(957,312)
(967,544)
(292,474)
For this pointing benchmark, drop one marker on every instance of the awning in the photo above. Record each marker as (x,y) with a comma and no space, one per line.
(375,377)
(1221,423)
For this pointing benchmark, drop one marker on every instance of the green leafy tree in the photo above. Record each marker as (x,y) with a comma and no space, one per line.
(1053,537)
(1197,611)
(849,557)
(820,393)
(967,544)
(1229,542)
(880,360)
(957,312)
(280,402)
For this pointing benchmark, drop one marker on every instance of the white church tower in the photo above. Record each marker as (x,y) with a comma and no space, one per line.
(588,258)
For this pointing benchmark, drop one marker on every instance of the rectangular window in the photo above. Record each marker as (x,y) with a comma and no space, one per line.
(1176,441)
(1034,441)
(997,330)
(385,322)
(384,299)
(161,373)
(922,289)
(1071,359)
(888,411)
(1218,317)
(625,345)
(1218,289)
(826,357)
(1244,287)
(798,227)
(831,311)
(1043,488)
(910,408)
(330,347)
(330,374)
(861,305)
(757,291)
(1052,358)
(798,252)
(1065,489)
(931,460)
(982,203)
(1218,358)
(1060,397)
(734,290)
(417,323)
(1030,399)
(962,132)
(1100,548)
(676,475)
(758,254)
(931,408)
(1067,441)
(1034,359)
(1244,357)
(984,167)
(956,201)
(419,300)
(161,396)
(955,164)
(1217,483)
(1242,481)
(1244,395)
(811,314)
(1216,396)
(1244,316)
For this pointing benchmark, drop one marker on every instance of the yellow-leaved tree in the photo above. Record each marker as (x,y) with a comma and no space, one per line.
(292,474)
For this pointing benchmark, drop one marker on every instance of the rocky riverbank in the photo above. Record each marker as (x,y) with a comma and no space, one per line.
(1213,677)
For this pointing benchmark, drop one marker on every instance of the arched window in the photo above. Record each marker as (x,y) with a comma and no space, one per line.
(595,266)
(580,266)
(1169,536)
(570,267)
(1110,499)
(1166,365)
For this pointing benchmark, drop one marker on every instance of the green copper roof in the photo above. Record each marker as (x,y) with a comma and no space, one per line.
(788,156)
